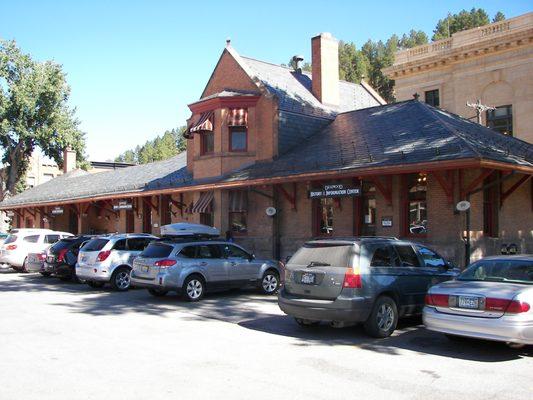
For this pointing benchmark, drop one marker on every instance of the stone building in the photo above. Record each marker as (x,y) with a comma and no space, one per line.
(277,156)
(492,63)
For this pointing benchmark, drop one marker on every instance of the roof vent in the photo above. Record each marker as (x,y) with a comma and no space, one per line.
(296,60)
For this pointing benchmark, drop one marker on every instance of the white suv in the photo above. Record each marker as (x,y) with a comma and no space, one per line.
(21,242)
(109,258)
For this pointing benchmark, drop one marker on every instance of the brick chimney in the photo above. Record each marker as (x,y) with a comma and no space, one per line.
(325,65)
(69,160)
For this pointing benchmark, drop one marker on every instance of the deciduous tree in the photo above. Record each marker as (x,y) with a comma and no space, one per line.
(34,112)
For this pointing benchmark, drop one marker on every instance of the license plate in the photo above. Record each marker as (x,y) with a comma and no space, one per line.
(145,268)
(468,302)
(308,279)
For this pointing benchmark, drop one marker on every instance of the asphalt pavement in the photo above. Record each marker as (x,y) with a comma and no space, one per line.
(67,341)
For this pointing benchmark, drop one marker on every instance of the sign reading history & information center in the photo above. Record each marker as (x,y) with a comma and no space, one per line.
(337,190)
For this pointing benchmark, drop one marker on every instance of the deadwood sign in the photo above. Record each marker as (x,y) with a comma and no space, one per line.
(335,190)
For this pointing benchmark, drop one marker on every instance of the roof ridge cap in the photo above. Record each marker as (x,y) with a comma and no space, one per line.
(453,130)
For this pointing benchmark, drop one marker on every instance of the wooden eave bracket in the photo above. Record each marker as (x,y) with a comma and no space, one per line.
(291,198)
(508,192)
(446,183)
(482,176)
(155,207)
(384,189)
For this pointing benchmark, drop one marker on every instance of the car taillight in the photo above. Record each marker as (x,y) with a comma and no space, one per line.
(507,306)
(102,256)
(61,255)
(352,279)
(11,247)
(165,263)
(437,300)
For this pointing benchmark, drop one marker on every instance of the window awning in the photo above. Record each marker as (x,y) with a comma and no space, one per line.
(204,203)
(238,201)
(238,117)
(204,124)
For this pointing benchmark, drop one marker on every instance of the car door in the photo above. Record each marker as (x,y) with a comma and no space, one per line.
(384,273)
(414,280)
(438,269)
(209,258)
(241,270)
(120,253)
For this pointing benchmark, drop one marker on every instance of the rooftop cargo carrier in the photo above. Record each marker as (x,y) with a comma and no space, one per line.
(183,229)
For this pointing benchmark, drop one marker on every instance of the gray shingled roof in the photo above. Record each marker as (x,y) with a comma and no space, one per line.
(294,94)
(401,133)
(80,184)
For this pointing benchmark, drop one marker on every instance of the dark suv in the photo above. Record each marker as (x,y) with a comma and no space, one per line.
(61,257)
(369,280)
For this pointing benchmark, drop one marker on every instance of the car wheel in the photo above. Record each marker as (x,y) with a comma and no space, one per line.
(95,284)
(120,280)
(270,282)
(383,318)
(157,292)
(306,323)
(193,288)
(23,268)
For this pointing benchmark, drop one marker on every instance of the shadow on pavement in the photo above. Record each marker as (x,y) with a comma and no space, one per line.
(257,312)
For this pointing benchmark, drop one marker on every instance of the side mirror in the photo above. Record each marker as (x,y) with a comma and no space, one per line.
(252,257)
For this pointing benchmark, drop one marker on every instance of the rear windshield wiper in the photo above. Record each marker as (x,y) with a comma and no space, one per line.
(318,264)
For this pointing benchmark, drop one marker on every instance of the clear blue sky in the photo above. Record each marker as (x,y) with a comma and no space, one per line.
(135,65)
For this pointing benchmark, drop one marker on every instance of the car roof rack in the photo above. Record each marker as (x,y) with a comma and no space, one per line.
(353,238)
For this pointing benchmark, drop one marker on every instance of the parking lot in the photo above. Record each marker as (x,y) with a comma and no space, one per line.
(66,341)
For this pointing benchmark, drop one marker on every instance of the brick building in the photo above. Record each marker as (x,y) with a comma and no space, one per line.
(277,156)
(491,63)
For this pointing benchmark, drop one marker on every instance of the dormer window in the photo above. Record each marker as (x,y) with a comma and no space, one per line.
(238,129)
(207,143)
(204,127)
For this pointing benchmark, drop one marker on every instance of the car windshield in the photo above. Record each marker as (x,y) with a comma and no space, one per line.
(516,271)
(11,239)
(95,245)
(323,255)
(156,250)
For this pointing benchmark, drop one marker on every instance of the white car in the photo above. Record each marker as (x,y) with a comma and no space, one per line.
(21,242)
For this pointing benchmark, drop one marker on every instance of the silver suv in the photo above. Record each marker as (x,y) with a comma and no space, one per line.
(370,280)
(110,258)
(192,267)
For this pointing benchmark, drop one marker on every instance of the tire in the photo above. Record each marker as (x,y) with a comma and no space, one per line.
(306,323)
(383,319)
(46,274)
(120,280)
(95,284)
(23,268)
(193,288)
(158,292)
(269,282)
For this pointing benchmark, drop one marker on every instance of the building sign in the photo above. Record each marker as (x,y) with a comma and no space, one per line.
(57,211)
(122,205)
(386,222)
(337,190)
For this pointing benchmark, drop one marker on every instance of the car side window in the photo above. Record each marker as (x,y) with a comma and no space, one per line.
(208,251)
(31,239)
(381,257)
(231,251)
(431,259)
(50,239)
(120,245)
(137,244)
(188,252)
(407,255)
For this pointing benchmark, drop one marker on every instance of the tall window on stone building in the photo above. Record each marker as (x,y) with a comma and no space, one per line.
(324,217)
(501,119)
(432,98)
(416,204)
